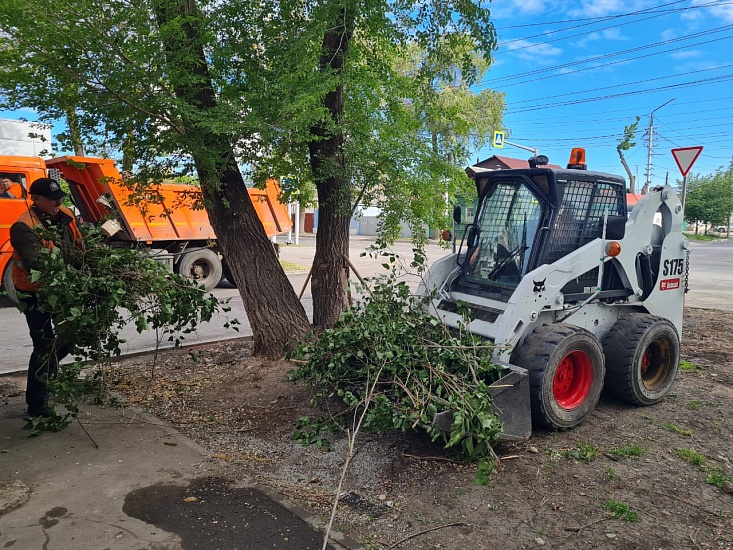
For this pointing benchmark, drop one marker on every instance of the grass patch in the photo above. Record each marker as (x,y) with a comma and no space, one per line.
(611,474)
(621,510)
(674,428)
(585,452)
(702,238)
(688,366)
(714,475)
(690,455)
(627,451)
(290,267)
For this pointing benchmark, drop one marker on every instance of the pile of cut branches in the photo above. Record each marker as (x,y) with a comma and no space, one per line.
(387,353)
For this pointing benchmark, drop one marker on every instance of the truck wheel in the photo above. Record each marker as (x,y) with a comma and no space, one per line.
(566,374)
(642,358)
(203,266)
(227,273)
(8,285)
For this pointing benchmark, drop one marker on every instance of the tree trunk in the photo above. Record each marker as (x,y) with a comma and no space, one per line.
(330,269)
(275,314)
(74,132)
(632,179)
(272,306)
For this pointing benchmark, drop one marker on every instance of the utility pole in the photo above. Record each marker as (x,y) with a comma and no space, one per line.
(650,146)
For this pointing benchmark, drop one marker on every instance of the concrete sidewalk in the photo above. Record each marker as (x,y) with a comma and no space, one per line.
(133,484)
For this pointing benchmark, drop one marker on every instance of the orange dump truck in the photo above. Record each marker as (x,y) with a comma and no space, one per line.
(169,221)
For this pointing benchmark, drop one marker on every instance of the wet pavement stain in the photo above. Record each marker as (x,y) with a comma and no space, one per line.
(49,519)
(208,514)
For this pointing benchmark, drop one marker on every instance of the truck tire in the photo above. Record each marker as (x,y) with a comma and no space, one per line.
(201,265)
(8,285)
(227,273)
(566,372)
(642,358)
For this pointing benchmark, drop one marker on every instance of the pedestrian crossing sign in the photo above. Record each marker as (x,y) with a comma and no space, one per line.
(498,140)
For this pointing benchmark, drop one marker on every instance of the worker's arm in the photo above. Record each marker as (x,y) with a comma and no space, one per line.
(27,244)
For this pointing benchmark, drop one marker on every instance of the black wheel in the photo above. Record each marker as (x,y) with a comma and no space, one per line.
(566,374)
(8,285)
(227,273)
(201,265)
(642,358)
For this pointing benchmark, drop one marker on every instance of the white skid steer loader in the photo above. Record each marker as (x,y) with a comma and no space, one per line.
(573,290)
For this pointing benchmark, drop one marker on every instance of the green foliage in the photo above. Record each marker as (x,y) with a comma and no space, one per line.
(622,511)
(690,455)
(410,120)
(709,198)
(674,428)
(627,451)
(714,475)
(95,292)
(585,452)
(627,142)
(687,366)
(308,431)
(611,474)
(388,354)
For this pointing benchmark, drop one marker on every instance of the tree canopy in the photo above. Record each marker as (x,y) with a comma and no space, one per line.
(709,198)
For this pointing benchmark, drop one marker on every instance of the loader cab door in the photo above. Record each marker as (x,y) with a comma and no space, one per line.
(501,242)
(584,200)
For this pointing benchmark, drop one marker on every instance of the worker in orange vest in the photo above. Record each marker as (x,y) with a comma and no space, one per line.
(46,212)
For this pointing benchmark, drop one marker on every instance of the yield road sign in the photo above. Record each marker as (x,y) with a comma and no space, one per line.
(498,140)
(685,157)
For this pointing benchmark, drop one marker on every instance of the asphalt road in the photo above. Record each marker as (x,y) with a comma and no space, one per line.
(710,282)
(711,275)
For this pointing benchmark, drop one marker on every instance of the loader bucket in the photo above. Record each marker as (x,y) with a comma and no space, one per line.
(512,403)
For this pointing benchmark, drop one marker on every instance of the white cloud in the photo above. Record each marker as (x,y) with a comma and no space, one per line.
(687,54)
(668,34)
(540,52)
(599,8)
(719,9)
(613,34)
(511,8)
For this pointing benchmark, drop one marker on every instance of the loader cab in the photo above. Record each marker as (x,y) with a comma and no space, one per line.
(530,217)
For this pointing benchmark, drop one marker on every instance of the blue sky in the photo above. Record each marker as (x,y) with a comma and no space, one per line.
(576,72)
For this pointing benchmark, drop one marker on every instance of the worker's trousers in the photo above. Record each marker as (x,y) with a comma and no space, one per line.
(46,354)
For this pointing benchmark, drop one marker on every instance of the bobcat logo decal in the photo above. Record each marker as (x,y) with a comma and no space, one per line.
(539,286)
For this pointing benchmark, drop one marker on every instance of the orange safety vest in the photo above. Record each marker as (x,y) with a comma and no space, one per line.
(21,275)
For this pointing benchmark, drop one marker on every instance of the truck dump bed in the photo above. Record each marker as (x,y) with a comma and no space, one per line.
(167,212)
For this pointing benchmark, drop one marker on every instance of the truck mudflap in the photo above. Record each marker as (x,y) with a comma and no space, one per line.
(512,403)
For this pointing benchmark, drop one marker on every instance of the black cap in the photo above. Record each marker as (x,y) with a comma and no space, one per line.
(47,187)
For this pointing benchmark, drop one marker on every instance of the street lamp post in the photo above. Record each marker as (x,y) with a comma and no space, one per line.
(645,189)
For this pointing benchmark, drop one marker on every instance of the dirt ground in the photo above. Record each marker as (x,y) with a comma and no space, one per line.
(626,478)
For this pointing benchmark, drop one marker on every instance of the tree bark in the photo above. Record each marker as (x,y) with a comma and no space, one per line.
(275,314)
(74,132)
(330,269)
(632,178)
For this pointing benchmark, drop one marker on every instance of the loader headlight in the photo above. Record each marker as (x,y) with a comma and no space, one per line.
(613,249)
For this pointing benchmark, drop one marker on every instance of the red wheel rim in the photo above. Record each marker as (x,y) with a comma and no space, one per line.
(573,380)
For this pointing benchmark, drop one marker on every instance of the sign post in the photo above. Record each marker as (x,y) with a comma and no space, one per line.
(685,157)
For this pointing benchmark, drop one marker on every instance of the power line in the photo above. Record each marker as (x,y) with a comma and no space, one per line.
(493,82)
(627,84)
(724,78)
(597,19)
